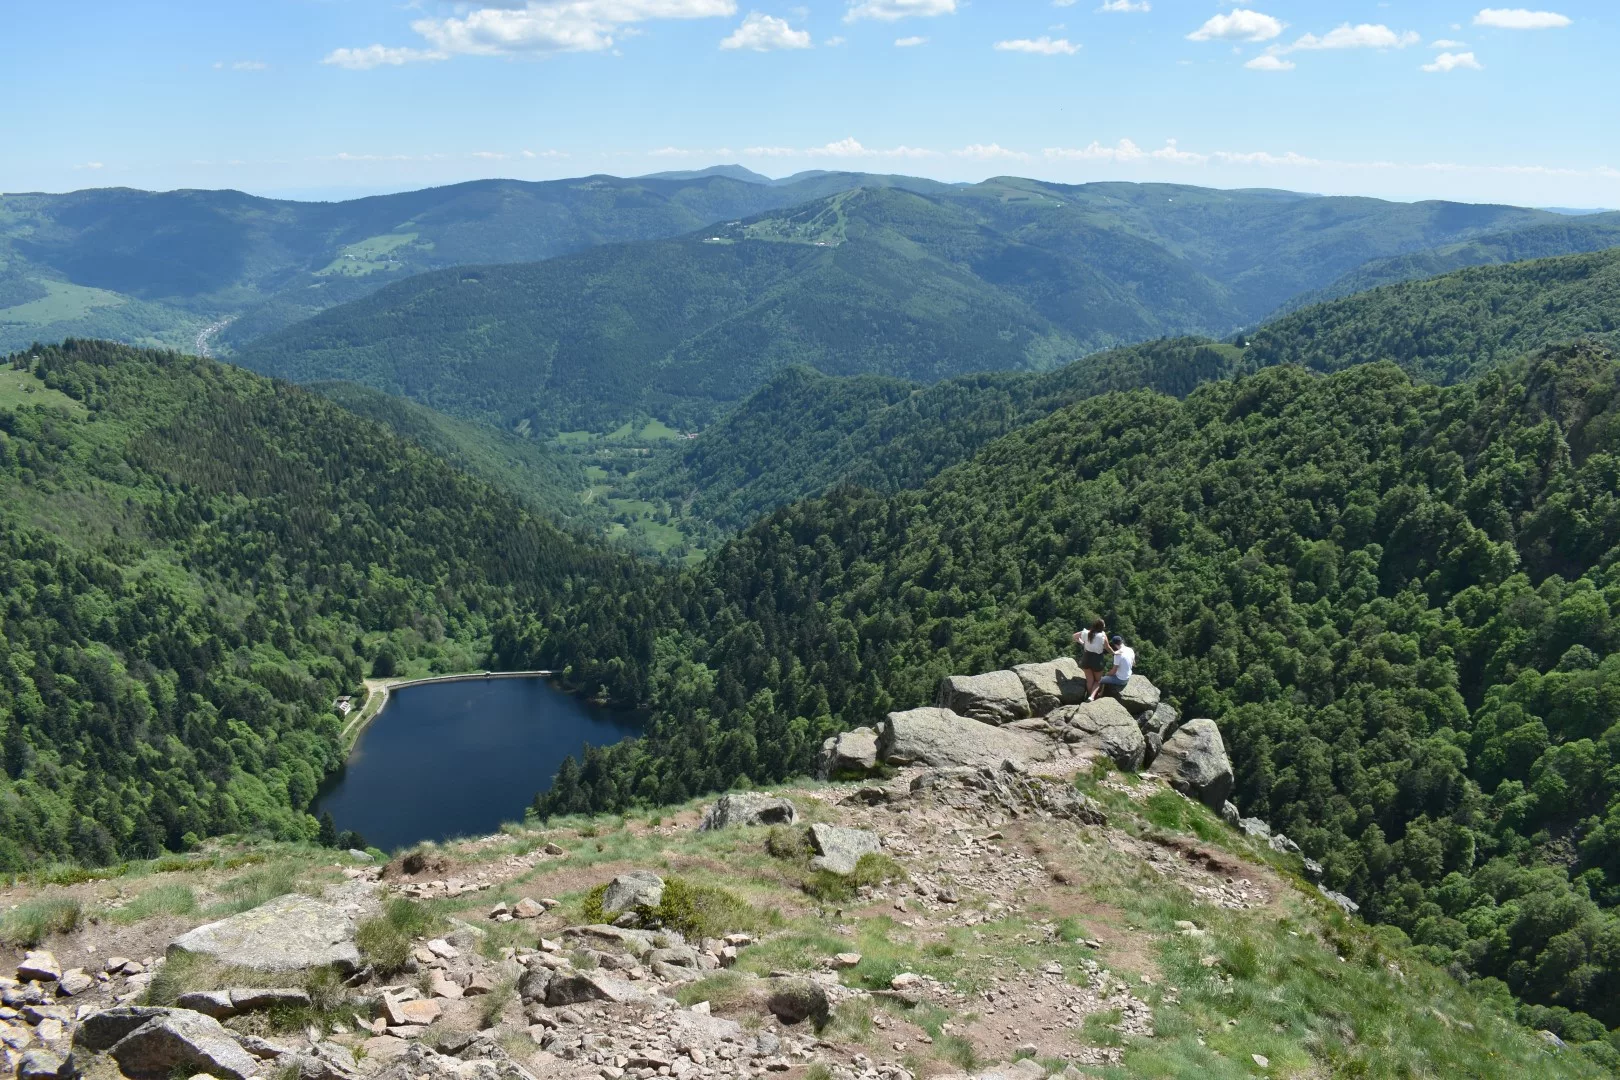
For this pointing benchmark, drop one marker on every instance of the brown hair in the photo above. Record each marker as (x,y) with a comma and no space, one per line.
(1098,626)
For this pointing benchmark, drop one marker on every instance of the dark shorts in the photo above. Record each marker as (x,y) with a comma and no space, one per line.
(1092,661)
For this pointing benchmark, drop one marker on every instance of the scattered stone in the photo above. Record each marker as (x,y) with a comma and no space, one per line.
(1253,826)
(577,987)
(1194,761)
(1261,1060)
(1103,725)
(796,1000)
(636,889)
(288,933)
(1230,814)
(480,983)
(182,1040)
(528,908)
(384,1047)
(441,987)
(846,959)
(996,697)
(215,1003)
(1284,846)
(852,753)
(44,1065)
(906,980)
(839,849)
(361,856)
(553,849)
(749,808)
(74,982)
(1314,871)
(941,739)
(1347,905)
(39,965)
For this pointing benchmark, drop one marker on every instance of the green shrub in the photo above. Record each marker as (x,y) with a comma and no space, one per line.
(495,1002)
(385,940)
(31,922)
(591,907)
(783,842)
(703,910)
(872,869)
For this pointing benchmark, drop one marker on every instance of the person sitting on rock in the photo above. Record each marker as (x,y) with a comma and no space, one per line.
(1124,660)
(1093,645)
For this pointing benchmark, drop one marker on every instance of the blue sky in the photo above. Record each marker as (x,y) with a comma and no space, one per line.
(330,98)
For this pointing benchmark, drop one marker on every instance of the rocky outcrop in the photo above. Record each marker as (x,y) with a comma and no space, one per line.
(1053,684)
(941,738)
(289,933)
(996,697)
(1161,720)
(748,808)
(795,1000)
(983,790)
(839,849)
(1139,695)
(183,1040)
(1194,761)
(849,754)
(577,987)
(629,891)
(1103,726)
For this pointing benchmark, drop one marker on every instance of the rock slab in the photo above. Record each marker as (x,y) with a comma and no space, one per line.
(1103,725)
(183,1040)
(852,753)
(289,933)
(839,849)
(1139,695)
(1053,684)
(942,739)
(636,889)
(996,697)
(1194,761)
(748,808)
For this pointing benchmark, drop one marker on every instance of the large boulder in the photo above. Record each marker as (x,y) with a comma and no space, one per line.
(1194,761)
(45,1065)
(577,987)
(839,849)
(940,738)
(1103,725)
(996,697)
(636,889)
(1161,720)
(748,808)
(183,1040)
(1139,695)
(851,753)
(99,1031)
(289,933)
(1053,684)
(794,1000)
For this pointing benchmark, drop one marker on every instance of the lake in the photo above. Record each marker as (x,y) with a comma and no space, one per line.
(459,758)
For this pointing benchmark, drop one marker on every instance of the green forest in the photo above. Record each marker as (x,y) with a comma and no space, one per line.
(198,561)
(1399,600)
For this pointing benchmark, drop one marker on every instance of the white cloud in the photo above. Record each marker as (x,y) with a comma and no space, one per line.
(1363,36)
(843,148)
(91,165)
(1268,62)
(835,41)
(1239,25)
(909,42)
(540,27)
(546,154)
(1520,19)
(1447,43)
(1043,46)
(1127,151)
(990,152)
(1449,61)
(1124,5)
(377,56)
(249,65)
(890,10)
(762,33)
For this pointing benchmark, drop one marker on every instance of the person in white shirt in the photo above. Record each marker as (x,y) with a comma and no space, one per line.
(1093,647)
(1124,660)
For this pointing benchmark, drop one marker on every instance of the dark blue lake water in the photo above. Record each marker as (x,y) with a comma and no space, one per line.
(459,758)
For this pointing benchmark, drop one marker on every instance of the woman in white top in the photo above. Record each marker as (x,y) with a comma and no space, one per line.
(1093,649)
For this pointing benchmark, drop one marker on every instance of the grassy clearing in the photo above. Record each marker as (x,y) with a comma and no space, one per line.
(32,921)
(66,301)
(169,898)
(256,886)
(19,388)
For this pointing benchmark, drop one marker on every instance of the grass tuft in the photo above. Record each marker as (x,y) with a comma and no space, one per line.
(31,922)
(385,940)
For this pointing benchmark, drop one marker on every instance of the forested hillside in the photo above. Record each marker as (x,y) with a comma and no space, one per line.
(1005,275)
(195,561)
(1567,237)
(803,433)
(1454,326)
(1399,599)
(145,266)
